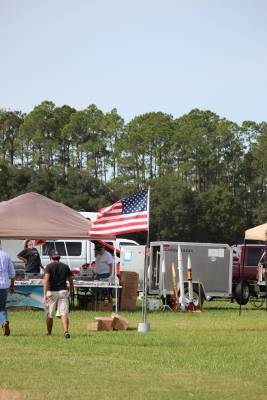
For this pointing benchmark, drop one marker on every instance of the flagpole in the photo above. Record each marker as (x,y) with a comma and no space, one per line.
(115,276)
(144,326)
(130,214)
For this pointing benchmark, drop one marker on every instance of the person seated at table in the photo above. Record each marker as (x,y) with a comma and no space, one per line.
(31,257)
(103,263)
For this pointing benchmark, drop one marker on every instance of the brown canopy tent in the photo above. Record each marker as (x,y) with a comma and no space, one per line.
(257,233)
(32,215)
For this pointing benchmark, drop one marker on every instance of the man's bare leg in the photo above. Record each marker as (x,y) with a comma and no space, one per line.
(49,324)
(65,323)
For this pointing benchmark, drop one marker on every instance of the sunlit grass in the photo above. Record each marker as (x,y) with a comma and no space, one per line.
(214,354)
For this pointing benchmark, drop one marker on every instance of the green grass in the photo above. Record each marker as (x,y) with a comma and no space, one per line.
(216,354)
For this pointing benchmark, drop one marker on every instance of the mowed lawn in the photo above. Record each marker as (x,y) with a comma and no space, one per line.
(216,354)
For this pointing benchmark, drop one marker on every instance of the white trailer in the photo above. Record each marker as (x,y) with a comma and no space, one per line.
(132,258)
(211,267)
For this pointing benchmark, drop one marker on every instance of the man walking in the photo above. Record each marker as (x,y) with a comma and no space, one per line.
(56,292)
(7,278)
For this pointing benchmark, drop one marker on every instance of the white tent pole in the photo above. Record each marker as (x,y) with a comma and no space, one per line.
(115,277)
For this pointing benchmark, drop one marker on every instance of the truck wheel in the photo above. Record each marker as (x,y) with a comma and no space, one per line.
(242,293)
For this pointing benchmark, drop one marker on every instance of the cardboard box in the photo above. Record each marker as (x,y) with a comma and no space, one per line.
(128,298)
(94,326)
(120,323)
(128,276)
(129,281)
(115,322)
(106,323)
(129,292)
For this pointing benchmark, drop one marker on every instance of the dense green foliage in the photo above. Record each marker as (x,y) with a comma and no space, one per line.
(207,174)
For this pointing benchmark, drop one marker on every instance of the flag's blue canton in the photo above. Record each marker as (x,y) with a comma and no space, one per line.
(135,203)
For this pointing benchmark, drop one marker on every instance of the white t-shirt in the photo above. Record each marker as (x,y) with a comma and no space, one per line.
(102,262)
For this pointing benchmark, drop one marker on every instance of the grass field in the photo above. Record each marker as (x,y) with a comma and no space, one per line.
(216,354)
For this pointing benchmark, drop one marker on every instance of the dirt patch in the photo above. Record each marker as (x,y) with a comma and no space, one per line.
(7,394)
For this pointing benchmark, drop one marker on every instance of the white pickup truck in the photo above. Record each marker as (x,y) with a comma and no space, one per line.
(74,253)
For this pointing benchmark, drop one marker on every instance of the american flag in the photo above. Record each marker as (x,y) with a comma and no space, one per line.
(125,216)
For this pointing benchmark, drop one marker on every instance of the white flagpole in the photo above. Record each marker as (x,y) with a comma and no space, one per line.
(144,326)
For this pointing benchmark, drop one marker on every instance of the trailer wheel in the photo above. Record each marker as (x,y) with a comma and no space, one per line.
(197,300)
(242,292)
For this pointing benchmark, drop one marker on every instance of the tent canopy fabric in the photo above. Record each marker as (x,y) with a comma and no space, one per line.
(257,233)
(32,215)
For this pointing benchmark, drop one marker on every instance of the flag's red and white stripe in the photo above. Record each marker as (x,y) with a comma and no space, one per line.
(111,221)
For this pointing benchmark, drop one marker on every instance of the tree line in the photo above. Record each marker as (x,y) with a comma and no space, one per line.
(207,174)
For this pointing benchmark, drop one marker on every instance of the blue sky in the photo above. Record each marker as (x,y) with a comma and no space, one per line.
(136,56)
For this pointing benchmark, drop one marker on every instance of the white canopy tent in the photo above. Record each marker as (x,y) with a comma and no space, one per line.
(32,215)
(257,233)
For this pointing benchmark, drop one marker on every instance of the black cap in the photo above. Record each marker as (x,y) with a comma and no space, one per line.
(54,254)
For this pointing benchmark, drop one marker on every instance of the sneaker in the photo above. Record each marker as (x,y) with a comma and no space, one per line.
(66,335)
(6,329)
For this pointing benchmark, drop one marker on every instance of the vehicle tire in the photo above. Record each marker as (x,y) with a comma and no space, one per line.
(198,295)
(242,293)
(197,300)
